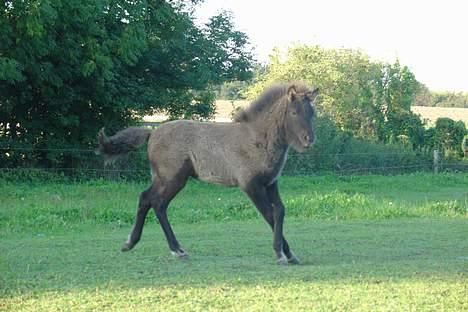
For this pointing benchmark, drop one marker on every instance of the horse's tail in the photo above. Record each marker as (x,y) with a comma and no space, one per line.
(121,143)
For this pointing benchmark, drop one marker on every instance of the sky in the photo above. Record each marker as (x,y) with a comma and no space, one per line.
(430,37)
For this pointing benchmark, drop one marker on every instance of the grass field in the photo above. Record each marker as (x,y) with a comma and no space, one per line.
(367,243)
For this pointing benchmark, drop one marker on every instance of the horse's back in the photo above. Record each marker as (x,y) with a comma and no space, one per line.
(201,149)
(184,135)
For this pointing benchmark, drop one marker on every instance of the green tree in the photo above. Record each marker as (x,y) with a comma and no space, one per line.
(399,88)
(447,136)
(441,99)
(69,67)
(232,90)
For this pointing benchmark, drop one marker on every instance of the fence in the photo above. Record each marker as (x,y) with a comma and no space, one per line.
(82,164)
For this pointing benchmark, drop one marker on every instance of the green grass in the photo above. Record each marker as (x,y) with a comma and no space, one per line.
(39,206)
(366,242)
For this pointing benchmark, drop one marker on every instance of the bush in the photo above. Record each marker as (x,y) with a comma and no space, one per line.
(447,136)
(465,146)
(339,151)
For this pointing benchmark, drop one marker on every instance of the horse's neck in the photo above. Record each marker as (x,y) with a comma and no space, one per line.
(272,132)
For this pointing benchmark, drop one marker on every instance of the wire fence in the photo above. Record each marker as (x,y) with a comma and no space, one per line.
(81,164)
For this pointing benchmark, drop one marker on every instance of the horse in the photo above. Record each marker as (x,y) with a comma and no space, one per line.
(248,153)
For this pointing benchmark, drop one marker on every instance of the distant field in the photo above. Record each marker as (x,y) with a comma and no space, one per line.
(225,108)
(432,113)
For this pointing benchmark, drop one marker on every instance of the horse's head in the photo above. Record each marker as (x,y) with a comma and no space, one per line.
(299,117)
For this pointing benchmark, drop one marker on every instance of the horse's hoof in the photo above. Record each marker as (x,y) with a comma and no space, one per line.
(282,260)
(293,259)
(126,247)
(180,254)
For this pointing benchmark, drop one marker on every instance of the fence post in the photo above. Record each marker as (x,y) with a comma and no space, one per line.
(436,161)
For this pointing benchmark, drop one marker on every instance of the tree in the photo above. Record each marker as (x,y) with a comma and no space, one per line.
(441,99)
(448,136)
(69,67)
(399,88)
(232,90)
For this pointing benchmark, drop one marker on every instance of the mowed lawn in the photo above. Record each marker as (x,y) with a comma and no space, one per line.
(367,243)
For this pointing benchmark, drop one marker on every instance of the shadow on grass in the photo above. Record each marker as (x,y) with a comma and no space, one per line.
(235,253)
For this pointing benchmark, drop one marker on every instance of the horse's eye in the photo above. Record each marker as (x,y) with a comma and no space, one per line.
(293,113)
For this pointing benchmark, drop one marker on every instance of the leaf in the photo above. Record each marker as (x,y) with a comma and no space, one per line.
(88,68)
(10,70)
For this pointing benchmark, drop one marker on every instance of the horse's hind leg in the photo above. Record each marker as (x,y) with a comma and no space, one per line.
(174,245)
(167,191)
(157,196)
(144,205)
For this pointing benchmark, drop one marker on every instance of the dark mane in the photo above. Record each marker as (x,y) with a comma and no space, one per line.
(267,99)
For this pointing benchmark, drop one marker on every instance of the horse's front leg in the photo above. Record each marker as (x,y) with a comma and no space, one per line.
(277,204)
(258,194)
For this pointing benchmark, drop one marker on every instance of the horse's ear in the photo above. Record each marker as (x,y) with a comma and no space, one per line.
(311,95)
(292,93)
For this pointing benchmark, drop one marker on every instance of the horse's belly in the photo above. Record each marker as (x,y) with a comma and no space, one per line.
(213,171)
(217,180)
(221,177)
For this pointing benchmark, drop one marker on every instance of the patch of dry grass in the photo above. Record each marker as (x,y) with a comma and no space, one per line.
(432,113)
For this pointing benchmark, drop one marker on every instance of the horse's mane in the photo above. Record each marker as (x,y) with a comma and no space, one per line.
(267,99)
